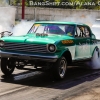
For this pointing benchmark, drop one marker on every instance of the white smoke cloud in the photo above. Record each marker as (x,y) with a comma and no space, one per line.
(7,18)
(96,29)
(22,28)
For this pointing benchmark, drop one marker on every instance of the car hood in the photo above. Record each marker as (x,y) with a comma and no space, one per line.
(32,38)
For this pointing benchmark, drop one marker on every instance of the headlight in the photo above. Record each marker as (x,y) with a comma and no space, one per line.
(1,43)
(51,48)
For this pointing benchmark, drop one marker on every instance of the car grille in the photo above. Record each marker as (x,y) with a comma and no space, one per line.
(25,47)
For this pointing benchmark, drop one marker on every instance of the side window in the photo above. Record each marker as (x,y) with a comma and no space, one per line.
(82,31)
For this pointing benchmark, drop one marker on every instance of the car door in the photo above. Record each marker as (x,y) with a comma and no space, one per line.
(82,37)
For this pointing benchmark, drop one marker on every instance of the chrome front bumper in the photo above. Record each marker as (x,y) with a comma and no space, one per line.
(28,56)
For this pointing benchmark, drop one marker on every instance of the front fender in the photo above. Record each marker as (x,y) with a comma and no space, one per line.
(60,54)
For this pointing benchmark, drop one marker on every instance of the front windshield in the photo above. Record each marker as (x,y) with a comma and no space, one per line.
(53,29)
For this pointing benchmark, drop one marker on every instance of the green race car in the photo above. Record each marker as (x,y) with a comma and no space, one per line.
(49,45)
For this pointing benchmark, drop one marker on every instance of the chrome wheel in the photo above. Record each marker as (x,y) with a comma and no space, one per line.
(62,68)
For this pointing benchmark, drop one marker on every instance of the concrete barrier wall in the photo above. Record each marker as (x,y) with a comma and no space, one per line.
(84,16)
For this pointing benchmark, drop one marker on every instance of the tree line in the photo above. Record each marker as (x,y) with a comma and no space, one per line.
(67,4)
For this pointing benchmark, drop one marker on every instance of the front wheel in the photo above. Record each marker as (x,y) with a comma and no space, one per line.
(60,67)
(7,66)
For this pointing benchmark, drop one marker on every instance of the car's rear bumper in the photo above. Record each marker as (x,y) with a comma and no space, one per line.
(29,56)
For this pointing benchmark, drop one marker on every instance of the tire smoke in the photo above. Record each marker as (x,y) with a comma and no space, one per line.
(22,28)
(7,18)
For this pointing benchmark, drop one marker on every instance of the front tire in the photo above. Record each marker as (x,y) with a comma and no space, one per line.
(7,66)
(59,69)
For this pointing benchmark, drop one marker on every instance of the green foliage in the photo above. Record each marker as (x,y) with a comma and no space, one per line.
(70,4)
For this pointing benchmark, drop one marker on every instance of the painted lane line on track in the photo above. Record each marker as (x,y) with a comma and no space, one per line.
(12,91)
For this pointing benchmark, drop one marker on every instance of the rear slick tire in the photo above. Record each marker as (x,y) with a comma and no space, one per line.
(95,60)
